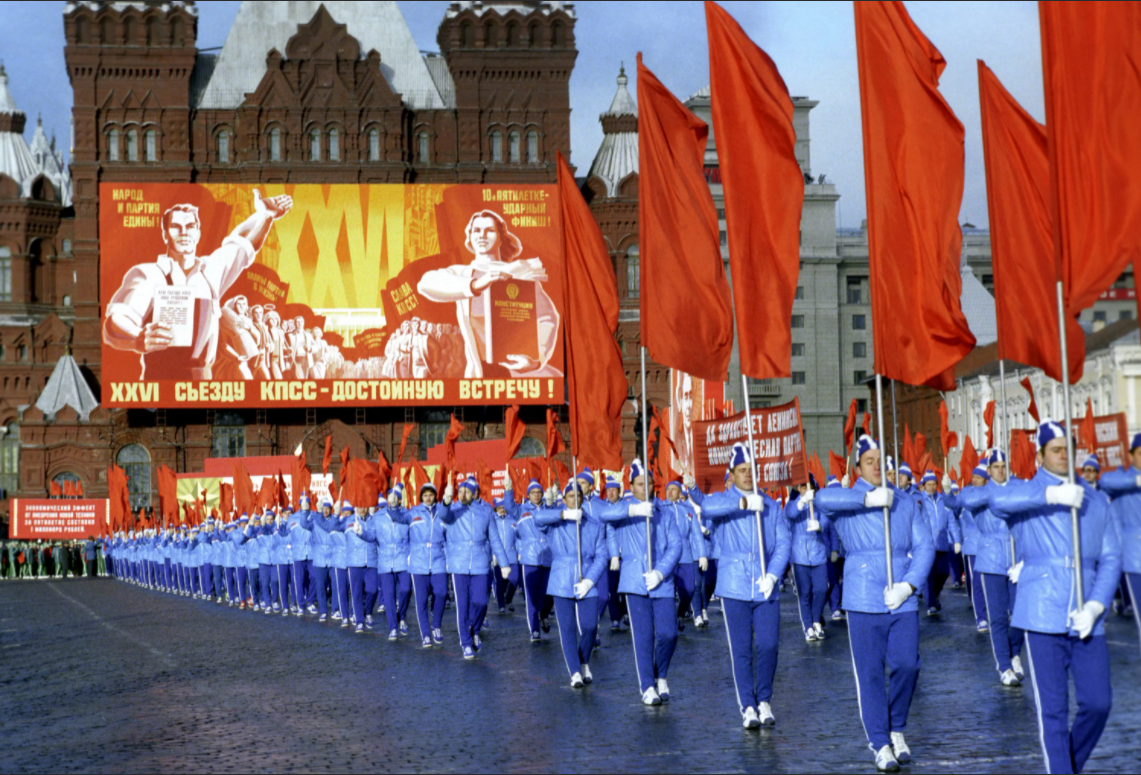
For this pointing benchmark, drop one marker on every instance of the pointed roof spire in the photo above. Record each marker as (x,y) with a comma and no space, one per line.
(7,104)
(623,104)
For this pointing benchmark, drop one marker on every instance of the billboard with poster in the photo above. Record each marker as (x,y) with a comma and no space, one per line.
(331,295)
(778,447)
(692,400)
(57,518)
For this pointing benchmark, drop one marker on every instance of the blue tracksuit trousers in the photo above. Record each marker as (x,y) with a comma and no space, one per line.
(685,581)
(422,585)
(471,603)
(878,641)
(811,591)
(577,621)
(753,629)
(653,628)
(395,589)
(975,589)
(1005,640)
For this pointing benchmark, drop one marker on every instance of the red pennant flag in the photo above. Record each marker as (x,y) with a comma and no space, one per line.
(681,262)
(596,381)
(142,521)
(764,192)
(1032,410)
(454,430)
(1022,240)
(948,439)
(1087,438)
(866,425)
(1022,455)
(837,465)
(555,443)
(327,457)
(384,471)
(919,450)
(850,426)
(536,470)
(988,418)
(563,473)
(79,489)
(244,496)
(513,431)
(908,451)
(300,478)
(227,500)
(345,456)
(968,460)
(1091,64)
(55,490)
(334,493)
(404,439)
(282,492)
(913,171)
(484,477)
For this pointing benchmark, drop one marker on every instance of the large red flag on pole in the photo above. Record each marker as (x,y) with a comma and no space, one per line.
(764,192)
(454,430)
(686,309)
(596,381)
(913,172)
(1021,237)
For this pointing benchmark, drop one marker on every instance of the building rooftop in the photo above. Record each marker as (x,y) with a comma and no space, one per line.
(24,164)
(67,387)
(617,157)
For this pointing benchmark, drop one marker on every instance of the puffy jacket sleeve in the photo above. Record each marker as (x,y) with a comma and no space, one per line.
(667,563)
(1016,498)
(778,562)
(612,541)
(922,548)
(1123,481)
(721,506)
(843,501)
(1108,561)
(696,541)
(952,525)
(793,512)
(451,512)
(697,496)
(548,517)
(615,513)
(400,515)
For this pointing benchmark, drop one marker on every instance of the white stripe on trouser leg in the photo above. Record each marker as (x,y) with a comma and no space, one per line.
(562,645)
(732,661)
(1038,704)
(416,594)
(990,629)
(527,595)
(359,613)
(859,701)
(1133,601)
(634,640)
(459,627)
(799,606)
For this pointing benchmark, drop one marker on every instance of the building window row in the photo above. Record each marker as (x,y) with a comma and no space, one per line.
(514,147)
(125,145)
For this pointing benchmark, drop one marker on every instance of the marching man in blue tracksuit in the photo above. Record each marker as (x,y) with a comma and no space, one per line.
(748,588)
(388,529)
(883,621)
(472,538)
(945,534)
(534,557)
(693,553)
(646,578)
(1124,486)
(1062,639)
(426,562)
(810,549)
(579,560)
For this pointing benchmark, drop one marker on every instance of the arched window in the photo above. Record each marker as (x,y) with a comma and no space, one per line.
(530,447)
(467,35)
(334,145)
(5,274)
(130,29)
(135,461)
(223,147)
(275,144)
(633,278)
(558,35)
(497,146)
(113,145)
(513,147)
(152,31)
(132,145)
(176,32)
(422,142)
(106,30)
(491,35)
(374,144)
(82,30)
(314,145)
(10,459)
(535,34)
(228,435)
(513,35)
(151,145)
(533,147)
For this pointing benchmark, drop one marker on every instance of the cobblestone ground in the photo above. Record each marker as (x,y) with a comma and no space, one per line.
(96,675)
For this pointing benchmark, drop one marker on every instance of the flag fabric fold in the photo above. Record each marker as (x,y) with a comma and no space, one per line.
(513,431)
(1032,410)
(948,439)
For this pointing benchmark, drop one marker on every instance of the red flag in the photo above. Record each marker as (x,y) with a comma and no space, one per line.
(850,426)
(968,460)
(454,430)
(948,439)
(244,496)
(563,473)
(327,457)
(913,172)
(1032,410)
(300,477)
(55,490)
(439,479)
(1087,438)
(79,489)
(988,418)
(120,499)
(681,264)
(866,424)
(345,456)
(596,382)
(924,465)
(227,500)
(837,465)
(1022,455)
(167,493)
(282,493)
(365,488)
(513,430)
(484,477)
(334,493)
(555,443)
(536,470)
(384,471)
(764,192)
(408,426)
(919,449)
(908,451)
(1022,240)
(1091,64)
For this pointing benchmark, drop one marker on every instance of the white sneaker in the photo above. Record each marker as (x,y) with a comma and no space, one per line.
(650,697)
(586,676)
(576,681)
(819,631)
(810,635)
(663,690)
(899,747)
(1009,678)
(765,714)
(1016,665)
(837,615)
(885,760)
(750,719)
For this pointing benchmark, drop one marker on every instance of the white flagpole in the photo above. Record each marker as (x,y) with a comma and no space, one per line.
(1005,441)
(577,525)
(883,481)
(646,466)
(753,467)
(1075,528)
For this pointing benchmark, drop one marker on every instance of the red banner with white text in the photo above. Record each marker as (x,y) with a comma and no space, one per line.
(57,519)
(778,447)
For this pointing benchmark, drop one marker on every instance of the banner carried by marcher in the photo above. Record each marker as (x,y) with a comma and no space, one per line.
(1110,442)
(778,447)
(692,399)
(33,518)
(331,295)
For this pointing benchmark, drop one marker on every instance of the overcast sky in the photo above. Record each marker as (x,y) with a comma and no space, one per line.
(812,43)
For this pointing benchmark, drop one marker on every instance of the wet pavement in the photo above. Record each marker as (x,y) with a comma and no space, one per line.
(97,675)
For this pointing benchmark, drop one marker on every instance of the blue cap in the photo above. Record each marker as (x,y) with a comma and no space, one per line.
(613,484)
(980,470)
(905,470)
(326,504)
(727,475)
(929,476)
(954,486)
(740,455)
(1048,431)
(636,469)
(865,445)
(996,456)
(269,512)
(534,485)
(832,481)
(424,486)
(500,502)
(890,463)
(571,486)
(380,499)
(1136,442)
(1092,462)
(587,475)
(346,506)
(470,484)
(676,483)
(243,518)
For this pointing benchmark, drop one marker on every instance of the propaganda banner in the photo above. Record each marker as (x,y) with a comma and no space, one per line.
(57,519)
(778,447)
(331,295)
(692,400)
(1110,442)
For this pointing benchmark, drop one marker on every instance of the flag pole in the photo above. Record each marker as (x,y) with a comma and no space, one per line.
(753,469)
(883,480)
(578,524)
(1005,441)
(1075,529)
(646,461)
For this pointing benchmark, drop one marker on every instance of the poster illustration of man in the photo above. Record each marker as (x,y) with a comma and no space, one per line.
(169,311)
(687,394)
(497,259)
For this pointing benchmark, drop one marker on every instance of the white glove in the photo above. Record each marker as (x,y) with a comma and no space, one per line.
(835,556)
(696,508)
(1083,621)
(393,500)
(806,497)
(357,528)
(752,502)
(958,548)
(690,482)
(582,587)
(551,495)
(615,563)
(507,486)
(1139,481)
(879,498)
(703,564)
(897,594)
(946,484)
(641,509)
(1014,572)
(813,525)
(572,515)
(1065,495)
(505,572)
(653,579)
(846,481)
(449,493)
(766,584)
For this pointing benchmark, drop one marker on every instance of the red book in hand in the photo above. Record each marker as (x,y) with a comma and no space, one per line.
(511,320)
